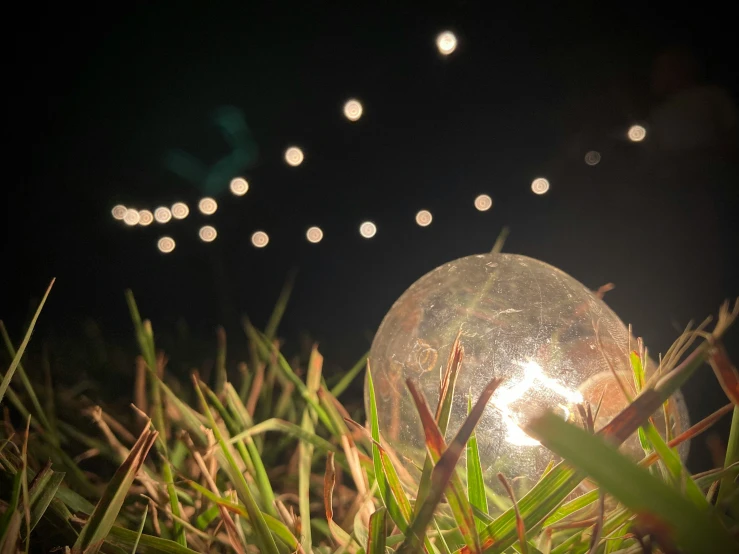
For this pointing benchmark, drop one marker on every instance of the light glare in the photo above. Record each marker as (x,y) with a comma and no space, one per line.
(207,206)
(637,133)
(162,214)
(483,202)
(294,156)
(353,109)
(119,212)
(239,186)
(132,217)
(540,185)
(145,217)
(314,235)
(446,42)
(592,158)
(368,229)
(180,210)
(260,239)
(424,218)
(207,233)
(166,245)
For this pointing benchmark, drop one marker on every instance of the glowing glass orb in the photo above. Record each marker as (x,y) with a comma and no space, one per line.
(207,206)
(540,185)
(162,214)
(314,235)
(424,218)
(446,42)
(180,210)
(260,239)
(592,158)
(294,156)
(165,245)
(207,233)
(368,229)
(353,109)
(145,217)
(131,217)
(483,202)
(637,133)
(119,212)
(519,319)
(239,186)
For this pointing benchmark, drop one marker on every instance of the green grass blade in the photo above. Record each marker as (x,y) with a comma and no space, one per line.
(305,458)
(475,482)
(140,532)
(279,310)
(291,429)
(145,544)
(349,376)
(221,375)
(42,494)
(377,532)
(7,525)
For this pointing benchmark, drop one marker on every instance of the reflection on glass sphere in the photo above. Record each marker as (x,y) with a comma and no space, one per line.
(546,334)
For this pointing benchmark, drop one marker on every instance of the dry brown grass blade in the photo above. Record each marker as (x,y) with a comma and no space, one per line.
(140,397)
(256,389)
(726,373)
(329,480)
(456,354)
(520,527)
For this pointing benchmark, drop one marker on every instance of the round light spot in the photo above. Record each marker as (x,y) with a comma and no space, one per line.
(592,158)
(353,109)
(368,229)
(294,156)
(166,245)
(207,206)
(637,133)
(119,212)
(132,217)
(145,217)
(540,185)
(180,210)
(483,202)
(446,42)
(424,218)
(239,186)
(260,239)
(162,214)
(314,235)
(207,233)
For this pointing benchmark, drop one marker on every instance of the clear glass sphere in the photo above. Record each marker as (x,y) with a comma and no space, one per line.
(546,334)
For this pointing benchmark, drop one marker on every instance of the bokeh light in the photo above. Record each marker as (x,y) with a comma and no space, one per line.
(132,217)
(166,245)
(446,42)
(483,202)
(145,217)
(119,212)
(207,206)
(294,156)
(592,158)
(162,214)
(637,133)
(180,210)
(260,239)
(353,109)
(368,229)
(314,235)
(540,185)
(239,186)
(207,233)
(424,218)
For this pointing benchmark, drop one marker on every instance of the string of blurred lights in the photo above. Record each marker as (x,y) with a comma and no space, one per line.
(446,44)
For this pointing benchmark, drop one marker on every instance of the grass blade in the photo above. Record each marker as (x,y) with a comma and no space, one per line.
(134,550)
(377,532)
(279,310)
(349,376)
(475,482)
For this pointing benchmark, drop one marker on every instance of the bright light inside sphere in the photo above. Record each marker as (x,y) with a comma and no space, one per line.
(314,235)
(540,185)
(637,133)
(145,217)
(162,214)
(483,202)
(119,212)
(180,210)
(592,158)
(207,206)
(294,156)
(424,218)
(517,319)
(131,217)
(353,110)
(166,245)
(446,42)
(260,239)
(207,233)
(239,186)
(368,229)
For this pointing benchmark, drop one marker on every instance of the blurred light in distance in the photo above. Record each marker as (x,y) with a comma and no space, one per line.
(162,214)
(353,109)
(314,235)
(260,239)
(145,217)
(207,206)
(446,42)
(294,156)
(423,218)
(368,229)
(166,245)
(483,202)
(637,133)
(207,233)
(132,217)
(119,212)
(180,210)
(540,185)
(239,186)
(592,158)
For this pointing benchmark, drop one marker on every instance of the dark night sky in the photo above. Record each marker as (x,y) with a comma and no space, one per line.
(97,99)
